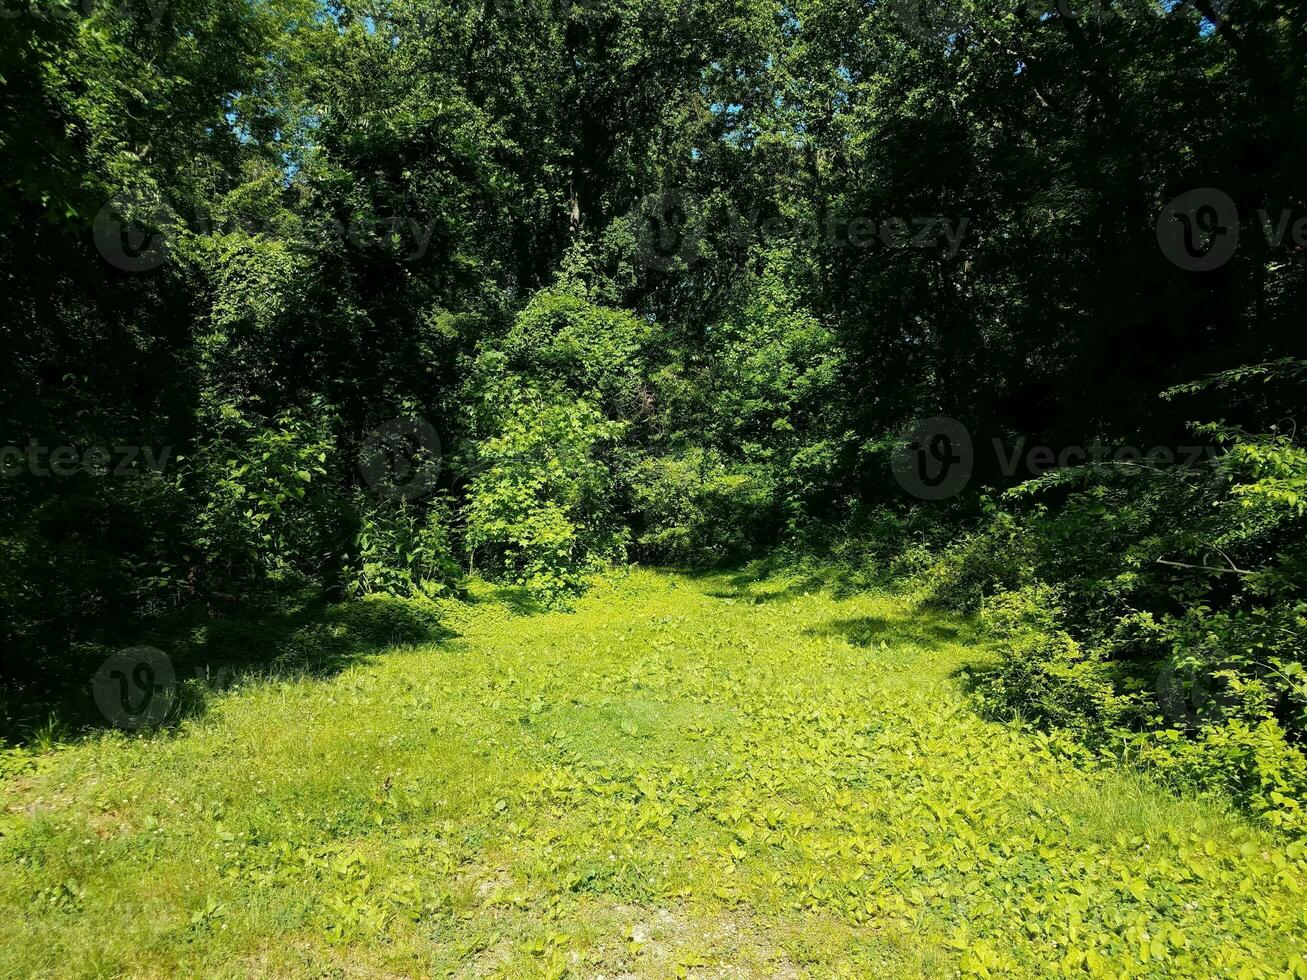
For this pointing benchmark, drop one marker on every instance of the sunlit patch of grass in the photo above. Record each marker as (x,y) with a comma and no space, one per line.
(686,775)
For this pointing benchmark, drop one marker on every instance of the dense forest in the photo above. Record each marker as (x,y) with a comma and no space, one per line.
(999,302)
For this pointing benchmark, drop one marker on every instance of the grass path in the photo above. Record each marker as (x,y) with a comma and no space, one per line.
(685,777)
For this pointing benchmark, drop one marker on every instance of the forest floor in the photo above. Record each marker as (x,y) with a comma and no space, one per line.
(724,775)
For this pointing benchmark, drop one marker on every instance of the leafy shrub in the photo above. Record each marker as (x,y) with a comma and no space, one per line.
(541,508)
(1034,608)
(1051,677)
(694,508)
(997,559)
(404,549)
(596,352)
(265,507)
(1158,612)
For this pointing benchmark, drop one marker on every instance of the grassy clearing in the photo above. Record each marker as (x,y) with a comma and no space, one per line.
(687,776)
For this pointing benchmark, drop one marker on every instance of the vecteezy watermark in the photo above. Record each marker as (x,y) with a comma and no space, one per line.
(669,227)
(936,457)
(1199,230)
(931,20)
(136,688)
(403,236)
(1101,10)
(96,460)
(539,13)
(536,10)
(139,688)
(401,459)
(672,225)
(1032,461)
(132,233)
(136,234)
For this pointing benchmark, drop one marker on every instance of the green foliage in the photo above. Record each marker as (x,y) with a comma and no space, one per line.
(695,509)
(267,509)
(1158,613)
(1043,671)
(776,373)
(668,280)
(996,560)
(405,550)
(541,508)
(561,338)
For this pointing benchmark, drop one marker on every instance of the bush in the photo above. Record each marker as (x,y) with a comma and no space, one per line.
(404,549)
(541,508)
(1049,677)
(999,558)
(266,506)
(694,509)
(1158,613)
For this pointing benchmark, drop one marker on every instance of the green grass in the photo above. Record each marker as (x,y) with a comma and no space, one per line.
(703,776)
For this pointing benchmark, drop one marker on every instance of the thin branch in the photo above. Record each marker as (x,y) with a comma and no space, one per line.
(1205,568)
(1228,560)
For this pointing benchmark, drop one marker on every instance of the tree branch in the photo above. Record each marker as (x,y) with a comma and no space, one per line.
(1205,568)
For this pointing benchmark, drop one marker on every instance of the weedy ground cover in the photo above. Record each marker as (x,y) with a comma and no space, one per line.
(719,775)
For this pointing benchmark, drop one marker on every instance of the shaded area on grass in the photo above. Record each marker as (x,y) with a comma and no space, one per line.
(766,580)
(777,579)
(517,599)
(864,631)
(784,575)
(305,635)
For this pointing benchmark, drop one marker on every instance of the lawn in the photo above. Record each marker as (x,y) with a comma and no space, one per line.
(719,775)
